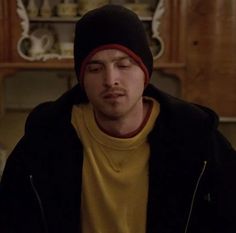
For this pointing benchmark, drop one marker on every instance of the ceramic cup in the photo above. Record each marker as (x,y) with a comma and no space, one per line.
(67,9)
(86,5)
(66,49)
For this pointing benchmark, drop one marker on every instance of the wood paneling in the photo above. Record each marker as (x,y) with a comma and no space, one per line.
(211,54)
(4,31)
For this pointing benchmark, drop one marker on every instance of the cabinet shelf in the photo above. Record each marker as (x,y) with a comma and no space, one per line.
(58,31)
(56,19)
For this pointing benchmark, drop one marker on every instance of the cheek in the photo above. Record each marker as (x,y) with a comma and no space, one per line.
(89,82)
(91,87)
(136,85)
(136,80)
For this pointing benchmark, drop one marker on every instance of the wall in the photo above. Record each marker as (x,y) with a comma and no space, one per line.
(27,89)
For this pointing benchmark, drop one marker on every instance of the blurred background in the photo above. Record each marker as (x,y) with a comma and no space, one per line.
(193,44)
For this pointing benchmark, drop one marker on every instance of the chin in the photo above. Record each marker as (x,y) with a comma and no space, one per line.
(112,114)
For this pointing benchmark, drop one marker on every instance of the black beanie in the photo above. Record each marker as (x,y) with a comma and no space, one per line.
(111,26)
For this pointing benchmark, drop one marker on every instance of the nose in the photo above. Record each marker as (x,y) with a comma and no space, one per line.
(111,77)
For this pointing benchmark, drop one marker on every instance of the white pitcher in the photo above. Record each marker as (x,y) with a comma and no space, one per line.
(39,45)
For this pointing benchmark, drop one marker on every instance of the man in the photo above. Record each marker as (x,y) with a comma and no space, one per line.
(115,154)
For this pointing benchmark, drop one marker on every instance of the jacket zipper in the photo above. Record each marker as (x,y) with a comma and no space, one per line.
(194,196)
(40,204)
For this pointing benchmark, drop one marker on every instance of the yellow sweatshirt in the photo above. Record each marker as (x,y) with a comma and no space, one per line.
(115,175)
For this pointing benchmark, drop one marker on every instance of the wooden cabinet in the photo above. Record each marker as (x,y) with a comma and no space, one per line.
(198,43)
(211,55)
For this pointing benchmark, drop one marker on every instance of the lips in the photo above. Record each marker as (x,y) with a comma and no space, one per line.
(113,93)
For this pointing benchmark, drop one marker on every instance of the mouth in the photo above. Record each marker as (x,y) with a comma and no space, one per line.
(112,95)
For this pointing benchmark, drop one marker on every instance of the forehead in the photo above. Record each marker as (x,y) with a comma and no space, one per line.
(109,54)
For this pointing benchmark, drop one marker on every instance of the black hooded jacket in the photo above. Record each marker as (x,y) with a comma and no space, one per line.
(191,172)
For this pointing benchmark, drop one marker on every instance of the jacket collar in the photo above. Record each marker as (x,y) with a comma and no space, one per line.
(176,113)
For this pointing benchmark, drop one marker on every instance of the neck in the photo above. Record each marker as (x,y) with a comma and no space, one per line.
(124,126)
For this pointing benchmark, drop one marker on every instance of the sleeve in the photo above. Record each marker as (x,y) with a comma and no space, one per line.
(225,183)
(18,206)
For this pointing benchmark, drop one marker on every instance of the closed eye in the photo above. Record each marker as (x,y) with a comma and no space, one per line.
(124,63)
(94,68)
(123,66)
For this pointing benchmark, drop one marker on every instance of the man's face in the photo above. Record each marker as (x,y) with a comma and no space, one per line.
(114,84)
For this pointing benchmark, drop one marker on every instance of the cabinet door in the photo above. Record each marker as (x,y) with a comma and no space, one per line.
(211,54)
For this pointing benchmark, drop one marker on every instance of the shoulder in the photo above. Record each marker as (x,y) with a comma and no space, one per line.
(184,115)
(52,113)
(40,116)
